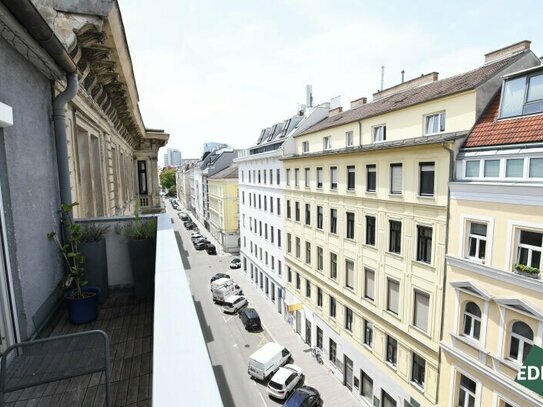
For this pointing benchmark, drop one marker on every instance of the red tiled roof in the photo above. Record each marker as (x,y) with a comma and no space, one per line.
(490,131)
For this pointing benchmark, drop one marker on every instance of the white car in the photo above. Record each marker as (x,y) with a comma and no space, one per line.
(284,381)
(234,303)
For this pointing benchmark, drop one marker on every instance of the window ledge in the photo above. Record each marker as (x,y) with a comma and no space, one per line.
(368,300)
(511,364)
(394,255)
(424,265)
(369,246)
(368,347)
(392,314)
(421,331)
(350,191)
(417,387)
(395,196)
(428,197)
(371,192)
(390,365)
(469,341)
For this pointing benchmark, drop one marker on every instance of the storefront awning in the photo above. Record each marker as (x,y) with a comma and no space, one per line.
(293,306)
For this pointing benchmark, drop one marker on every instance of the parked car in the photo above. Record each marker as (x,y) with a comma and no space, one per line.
(250,319)
(234,303)
(284,381)
(200,245)
(184,217)
(218,276)
(189,225)
(305,396)
(211,249)
(194,236)
(235,263)
(221,294)
(265,361)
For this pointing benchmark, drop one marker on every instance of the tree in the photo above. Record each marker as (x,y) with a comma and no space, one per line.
(167,179)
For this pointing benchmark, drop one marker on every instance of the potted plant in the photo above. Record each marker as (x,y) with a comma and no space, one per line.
(527,271)
(82,300)
(93,248)
(140,234)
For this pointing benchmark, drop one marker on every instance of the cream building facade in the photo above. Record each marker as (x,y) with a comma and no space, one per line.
(366,229)
(494,311)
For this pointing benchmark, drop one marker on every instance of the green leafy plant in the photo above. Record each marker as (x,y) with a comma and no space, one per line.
(70,251)
(140,229)
(93,232)
(526,269)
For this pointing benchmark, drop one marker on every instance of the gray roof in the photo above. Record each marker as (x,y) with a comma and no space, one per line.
(444,87)
(228,172)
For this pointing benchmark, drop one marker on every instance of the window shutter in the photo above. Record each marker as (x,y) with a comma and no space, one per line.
(422,302)
(370,283)
(393,296)
(396,179)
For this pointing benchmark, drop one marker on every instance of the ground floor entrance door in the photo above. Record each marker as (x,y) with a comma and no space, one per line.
(348,372)
(298,322)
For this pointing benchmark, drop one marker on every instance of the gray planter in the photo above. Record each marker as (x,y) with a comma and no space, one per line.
(96,266)
(142,262)
(536,276)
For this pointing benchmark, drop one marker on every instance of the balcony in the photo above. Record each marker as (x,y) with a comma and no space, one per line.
(157,357)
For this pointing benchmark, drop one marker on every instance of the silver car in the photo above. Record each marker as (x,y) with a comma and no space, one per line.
(284,381)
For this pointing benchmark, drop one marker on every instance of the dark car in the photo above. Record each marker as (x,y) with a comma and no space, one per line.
(219,275)
(189,225)
(235,263)
(200,245)
(305,396)
(211,249)
(250,319)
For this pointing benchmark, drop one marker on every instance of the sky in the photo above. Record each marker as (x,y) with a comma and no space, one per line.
(222,70)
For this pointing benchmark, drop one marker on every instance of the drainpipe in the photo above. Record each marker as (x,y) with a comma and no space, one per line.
(59,104)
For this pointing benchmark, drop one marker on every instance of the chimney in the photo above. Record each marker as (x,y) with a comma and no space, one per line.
(506,52)
(411,84)
(335,111)
(358,102)
(309,95)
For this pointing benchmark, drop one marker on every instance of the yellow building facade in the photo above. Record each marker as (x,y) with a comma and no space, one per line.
(223,208)
(366,234)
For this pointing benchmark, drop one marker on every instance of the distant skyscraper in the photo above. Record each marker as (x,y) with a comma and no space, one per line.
(172,158)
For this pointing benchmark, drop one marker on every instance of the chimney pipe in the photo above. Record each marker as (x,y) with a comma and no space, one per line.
(403,72)
(382,77)
(309,95)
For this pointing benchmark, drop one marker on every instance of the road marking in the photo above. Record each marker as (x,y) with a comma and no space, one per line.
(262,338)
(262,398)
(226,320)
(268,331)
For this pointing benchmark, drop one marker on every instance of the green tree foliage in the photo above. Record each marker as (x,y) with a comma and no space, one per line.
(167,179)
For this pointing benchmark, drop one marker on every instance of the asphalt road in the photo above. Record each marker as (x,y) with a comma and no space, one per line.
(228,343)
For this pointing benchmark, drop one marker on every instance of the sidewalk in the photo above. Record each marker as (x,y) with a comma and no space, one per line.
(316,375)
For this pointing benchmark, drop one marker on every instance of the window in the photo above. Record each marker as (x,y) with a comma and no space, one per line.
(308,252)
(249,175)
(421,311)
(536,168)
(242,176)
(333,265)
(395,178)
(307,288)
(279,268)
(298,281)
(368,333)
(333,177)
(424,244)
(319,217)
(434,123)
(305,146)
(332,307)
(379,133)
(289,274)
(289,243)
(471,324)
(332,348)
(418,370)
(514,168)
(351,177)
(278,176)
(426,179)
(288,176)
(264,171)
(370,230)
(492,168)
(319,177)
(296,177)
(369,284)
(333,221)
(327,143)
(271,176)
(348,319)
(521,341)
(466,392)
(366,387)
(349,274)
(529,249)
(371,175)
(349,139)
(298,247)
(308,214)
(393,296)
(142,177)
(472,168)
(278,206)
(319,338)
(243,197)
(476,241)
(350,225)
(297,211)
(306,177)
(395,238)
(259,177)
(388,401)
(288,209)
(278,237)
(271,204)
(392,350)
(320,258)
(319,297)
(522,95)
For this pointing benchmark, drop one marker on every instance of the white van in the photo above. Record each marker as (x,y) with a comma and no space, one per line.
(265,361)
(220,282)
(221,293)
(234,303)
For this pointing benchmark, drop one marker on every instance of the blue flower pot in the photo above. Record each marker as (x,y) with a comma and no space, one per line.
(83,310)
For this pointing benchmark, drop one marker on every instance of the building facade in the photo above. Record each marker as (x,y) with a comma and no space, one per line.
(224,209)
(366,204)
(493,313)
(172,158)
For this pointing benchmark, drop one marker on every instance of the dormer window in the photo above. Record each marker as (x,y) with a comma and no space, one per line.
(434,123)
(522,95)
(327,143)
(305,146)
(379,133)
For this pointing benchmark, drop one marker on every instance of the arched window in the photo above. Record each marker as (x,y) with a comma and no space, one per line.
(472,321)
(521,341)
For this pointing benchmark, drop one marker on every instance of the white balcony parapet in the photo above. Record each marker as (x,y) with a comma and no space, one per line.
(182,370)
